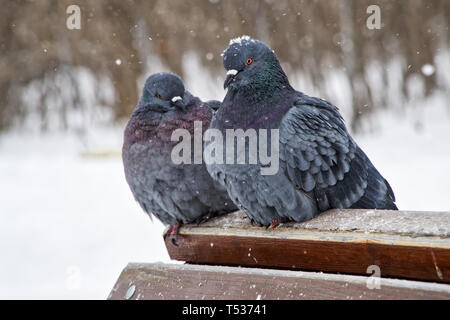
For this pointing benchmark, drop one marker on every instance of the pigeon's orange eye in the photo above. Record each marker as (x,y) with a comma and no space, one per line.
(158,96)
(249,61)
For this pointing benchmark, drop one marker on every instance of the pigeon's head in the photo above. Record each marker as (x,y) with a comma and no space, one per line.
(249,61)
(163,92)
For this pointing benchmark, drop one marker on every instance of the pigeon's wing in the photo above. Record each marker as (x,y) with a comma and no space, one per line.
(144,167)
(319,156)
(172,192)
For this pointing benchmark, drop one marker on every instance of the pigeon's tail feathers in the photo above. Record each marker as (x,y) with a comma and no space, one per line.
(378,194)
(297,204)
(306,207)
(391,205)
(275,191)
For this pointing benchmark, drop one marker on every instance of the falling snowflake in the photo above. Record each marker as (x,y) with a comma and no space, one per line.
(428,70)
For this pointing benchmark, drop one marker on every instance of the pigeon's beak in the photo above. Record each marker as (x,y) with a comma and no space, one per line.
(178,102)
(231,74)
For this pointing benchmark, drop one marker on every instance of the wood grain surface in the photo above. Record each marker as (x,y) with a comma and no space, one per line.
(411,245)
(193,282)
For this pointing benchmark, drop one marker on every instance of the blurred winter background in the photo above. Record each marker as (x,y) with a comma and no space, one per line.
(68,222)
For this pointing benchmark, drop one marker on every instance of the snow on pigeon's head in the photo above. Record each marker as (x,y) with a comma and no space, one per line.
(245,58)
(163,90)
(239,40)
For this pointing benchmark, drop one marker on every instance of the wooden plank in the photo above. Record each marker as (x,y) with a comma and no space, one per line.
(176,281)
(412,245)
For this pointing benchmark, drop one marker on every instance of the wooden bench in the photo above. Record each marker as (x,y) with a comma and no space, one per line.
(341,254)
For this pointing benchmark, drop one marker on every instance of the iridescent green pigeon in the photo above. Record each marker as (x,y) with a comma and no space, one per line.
(320,165)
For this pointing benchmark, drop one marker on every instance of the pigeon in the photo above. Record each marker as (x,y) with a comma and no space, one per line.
(174,193)
(320,165)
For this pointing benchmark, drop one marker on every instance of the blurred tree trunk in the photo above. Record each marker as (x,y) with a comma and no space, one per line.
(354,61)
(124,82)
(313,39)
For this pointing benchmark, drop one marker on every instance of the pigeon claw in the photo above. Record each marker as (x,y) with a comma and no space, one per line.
(274,224)
(172,232)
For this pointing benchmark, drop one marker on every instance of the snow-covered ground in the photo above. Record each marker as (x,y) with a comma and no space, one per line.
(412,151)
(69,224)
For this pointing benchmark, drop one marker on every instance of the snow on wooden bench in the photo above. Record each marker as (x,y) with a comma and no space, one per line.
(373,244)
(403,244)
(158,281)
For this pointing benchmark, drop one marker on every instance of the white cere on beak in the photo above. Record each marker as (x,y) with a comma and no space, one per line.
(232,72)
(177,98)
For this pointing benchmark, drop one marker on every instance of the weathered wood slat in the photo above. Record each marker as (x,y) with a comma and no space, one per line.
(176,281)
(412,245)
